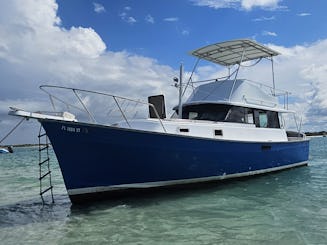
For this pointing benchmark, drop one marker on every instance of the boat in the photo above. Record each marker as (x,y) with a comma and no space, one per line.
(229,127)
(3,150)
(6,149)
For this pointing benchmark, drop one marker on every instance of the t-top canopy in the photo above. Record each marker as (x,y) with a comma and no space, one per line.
(233,52)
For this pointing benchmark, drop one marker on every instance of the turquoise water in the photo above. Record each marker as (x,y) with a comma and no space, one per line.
(288,207)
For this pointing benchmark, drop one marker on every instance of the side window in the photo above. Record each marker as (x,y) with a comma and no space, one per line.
(273,119)
(281,121)
(249,116)
(240,115)
(260,118)
(266,119)
(236,114)
(263,119)
(192,115)
(210,112)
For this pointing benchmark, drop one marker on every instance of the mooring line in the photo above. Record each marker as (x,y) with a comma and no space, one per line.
(19,123)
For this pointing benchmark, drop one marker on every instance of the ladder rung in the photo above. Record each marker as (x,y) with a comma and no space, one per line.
(41,135)
(45,175)
(49,188)
(46,160)
(42,149)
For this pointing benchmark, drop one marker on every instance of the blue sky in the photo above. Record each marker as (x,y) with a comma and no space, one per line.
(134,48)
(166,29)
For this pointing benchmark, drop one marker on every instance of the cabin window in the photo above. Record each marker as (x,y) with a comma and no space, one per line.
(273,119)
(236,114)
(240,115)
(249,116)
(219,113)
(228,113)
(263,120)
(210,112)
(266,119)
(193,115)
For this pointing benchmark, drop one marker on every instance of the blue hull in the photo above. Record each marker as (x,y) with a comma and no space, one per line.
(96,159)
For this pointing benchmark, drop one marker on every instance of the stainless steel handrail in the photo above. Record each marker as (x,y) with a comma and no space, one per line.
(86,110)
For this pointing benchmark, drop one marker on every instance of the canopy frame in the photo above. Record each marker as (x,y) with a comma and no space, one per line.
(230,53)
(233,52)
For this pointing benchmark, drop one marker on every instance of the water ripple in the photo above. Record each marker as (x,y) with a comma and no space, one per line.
(288,207)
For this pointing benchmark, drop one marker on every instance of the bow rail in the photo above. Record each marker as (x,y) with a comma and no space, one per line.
(117,106)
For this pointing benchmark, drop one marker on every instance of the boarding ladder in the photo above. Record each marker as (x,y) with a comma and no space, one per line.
(44,165)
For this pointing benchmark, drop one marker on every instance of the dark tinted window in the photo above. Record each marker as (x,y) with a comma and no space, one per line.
(273,119)
(218,113)
(211,112)
(240,115)
(266,119)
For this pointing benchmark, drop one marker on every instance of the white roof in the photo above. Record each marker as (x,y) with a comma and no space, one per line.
(244,94)
(231,52)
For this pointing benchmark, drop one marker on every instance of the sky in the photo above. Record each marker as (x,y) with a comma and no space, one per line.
(134,48)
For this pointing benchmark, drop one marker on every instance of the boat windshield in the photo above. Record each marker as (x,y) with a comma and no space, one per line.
(230,113)
(210,112)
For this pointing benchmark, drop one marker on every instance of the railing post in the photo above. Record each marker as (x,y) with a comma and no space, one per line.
(157,115)
(273,75)
(238,68)
(121,111)
(80,100)
(180,105)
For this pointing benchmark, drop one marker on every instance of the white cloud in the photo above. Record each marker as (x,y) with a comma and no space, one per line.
(149,19)
(98,8)
(171,19)
(185,32)
(127,18)
(302,70)
(269,33)
(131,20)
(268,4)
(218,4)
(240,4)
(303,14)
(35,50)
(264,19)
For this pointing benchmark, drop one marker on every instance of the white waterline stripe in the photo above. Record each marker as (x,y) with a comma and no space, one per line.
(145,185)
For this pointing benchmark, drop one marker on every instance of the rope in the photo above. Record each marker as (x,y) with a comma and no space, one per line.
(19,123)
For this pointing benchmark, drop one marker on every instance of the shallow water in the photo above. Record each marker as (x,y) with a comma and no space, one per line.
(288,207)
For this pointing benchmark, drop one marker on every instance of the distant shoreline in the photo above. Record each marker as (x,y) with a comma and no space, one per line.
(309,134)
(21,145)
(316,134)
